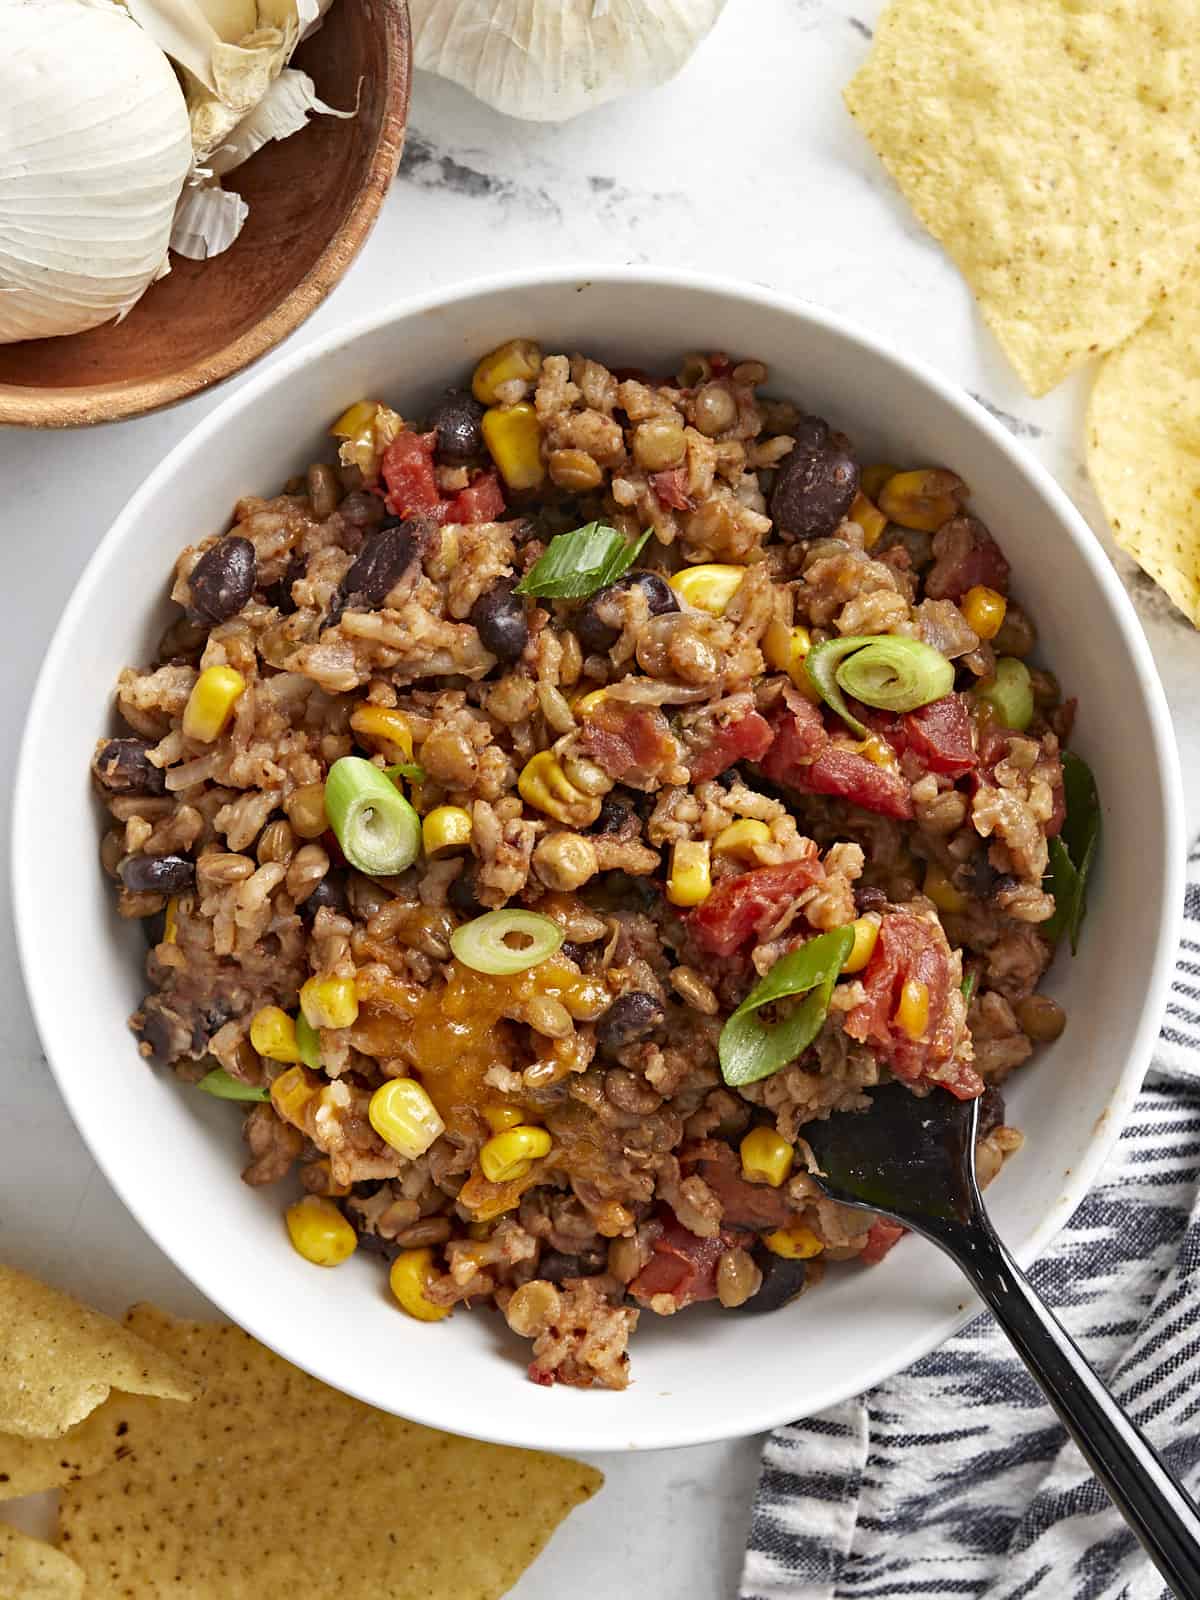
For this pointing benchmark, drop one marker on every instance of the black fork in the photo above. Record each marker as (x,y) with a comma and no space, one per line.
(914,1160)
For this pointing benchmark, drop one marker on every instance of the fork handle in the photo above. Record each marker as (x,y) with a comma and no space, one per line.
(1144,1490)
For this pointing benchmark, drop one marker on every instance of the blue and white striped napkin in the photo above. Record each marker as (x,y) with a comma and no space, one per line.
(955,1481)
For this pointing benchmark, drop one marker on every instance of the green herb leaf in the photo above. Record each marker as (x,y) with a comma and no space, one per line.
(219,1083)
(968,986)
(405,769)
(576,564)
(1073,851)
(883,670)
(748,1048)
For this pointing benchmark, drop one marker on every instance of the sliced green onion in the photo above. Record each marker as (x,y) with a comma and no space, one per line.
(483,944)
(968,986)
(379,832)
(1074,850)
(883,670)
(748,1048)
(1009,693)
(577,564)
(308,1042)
(405,769)
(219,1082)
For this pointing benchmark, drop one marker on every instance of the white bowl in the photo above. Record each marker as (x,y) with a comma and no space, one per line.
(174,1156)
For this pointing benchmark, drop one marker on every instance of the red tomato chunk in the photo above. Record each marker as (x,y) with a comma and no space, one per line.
(412,489)
(804,757)
(882,1237)
(747,740)
(743,907)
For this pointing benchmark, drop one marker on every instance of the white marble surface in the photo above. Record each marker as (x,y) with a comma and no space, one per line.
(748,165)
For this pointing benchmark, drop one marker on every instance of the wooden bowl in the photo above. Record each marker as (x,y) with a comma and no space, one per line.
(313,200)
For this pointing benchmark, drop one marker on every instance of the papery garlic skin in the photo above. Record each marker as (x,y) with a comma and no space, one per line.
(94,150)
(547,60)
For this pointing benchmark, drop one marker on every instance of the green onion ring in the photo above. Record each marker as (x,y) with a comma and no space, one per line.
(884,670)
(219,1083)
(308,1042)
(481,945)
(378,830)
(1009,693)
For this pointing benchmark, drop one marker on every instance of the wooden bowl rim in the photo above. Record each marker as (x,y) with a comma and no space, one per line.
(113,402)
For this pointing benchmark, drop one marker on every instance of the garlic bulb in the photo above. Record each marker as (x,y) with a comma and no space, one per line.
(94,150)
(547,60)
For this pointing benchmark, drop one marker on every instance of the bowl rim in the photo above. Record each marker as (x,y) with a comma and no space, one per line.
(24,880)
(88,405)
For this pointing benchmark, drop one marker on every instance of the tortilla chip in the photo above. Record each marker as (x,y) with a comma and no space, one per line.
(274,1485)
(1046,147)
(59,1360)
(1143,446)
(106,1436)
(31,1570)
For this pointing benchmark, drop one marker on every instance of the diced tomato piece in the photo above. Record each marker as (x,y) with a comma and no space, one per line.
(481,501)
(965,556)
(941,734)
(852,777)
(912,948)
(671,488)
(802,756)
(746,740)
(407,469)
(743,906)
(541,1375)
(682,1265)
(880,1239)
(749,1205)
(632,743)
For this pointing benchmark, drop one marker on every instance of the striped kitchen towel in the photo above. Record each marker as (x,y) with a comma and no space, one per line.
(955,1481)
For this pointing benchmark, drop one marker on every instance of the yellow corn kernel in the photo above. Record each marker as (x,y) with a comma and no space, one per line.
(171,921)
(690,882)
(322,1168)
(404,1117)
(498,1118)
(443,563)
(588,702)
(742,840)
(211,702)
(319,1232)
(383,725)
(517,359)
(984,610)
(785,649)
(941,890)
(869,518)
(409,1279)
(273,1034)
(797,1243)
(445,828)
(709,587)
(912,1014)
(766,1157)
(513,436)
(923,499)
(291,1092)
(866,932)
(874,477)
(355,419)
(329,1002)
(545,786)
(510,1154)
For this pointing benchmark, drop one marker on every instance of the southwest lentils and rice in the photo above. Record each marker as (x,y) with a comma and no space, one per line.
(656,770)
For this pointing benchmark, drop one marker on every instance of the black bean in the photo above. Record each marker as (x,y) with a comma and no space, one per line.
(222,580)
(782,1280)
(869,898)
(616,816)
(499,616)
(375,1244)
(209,1020)
(123,766)
(631,1016)
(991,1112)
(573,952)
(331,892)
(362,510)
(157,874)
(463,893)
(815,485)
(384,559)
(154,1031)
(279,594)
(594,626)
(155,927)
(457,419)
(982,877)
(1004,883)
